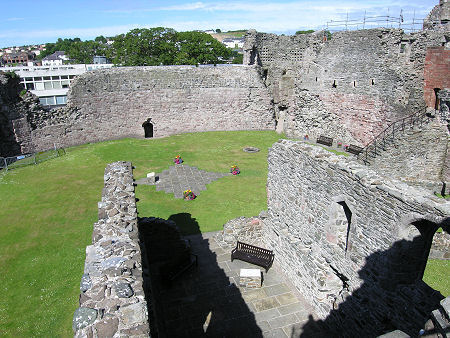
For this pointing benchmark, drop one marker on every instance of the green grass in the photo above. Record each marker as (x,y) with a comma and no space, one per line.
(48,210)
(437,274)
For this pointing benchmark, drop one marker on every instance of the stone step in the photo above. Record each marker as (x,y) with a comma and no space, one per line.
(440,323)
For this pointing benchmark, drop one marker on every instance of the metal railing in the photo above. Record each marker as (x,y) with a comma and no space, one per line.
(388,135)
(8,163)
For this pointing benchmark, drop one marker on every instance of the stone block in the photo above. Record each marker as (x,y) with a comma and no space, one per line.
(151,178)
(250,278)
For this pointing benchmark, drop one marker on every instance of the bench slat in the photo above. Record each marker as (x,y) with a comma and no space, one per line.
(253,254)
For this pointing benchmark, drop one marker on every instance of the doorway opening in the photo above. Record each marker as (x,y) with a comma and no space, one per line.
(148,128)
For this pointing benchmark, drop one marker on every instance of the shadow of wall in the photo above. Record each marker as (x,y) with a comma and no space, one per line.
(201,301)
(392,295)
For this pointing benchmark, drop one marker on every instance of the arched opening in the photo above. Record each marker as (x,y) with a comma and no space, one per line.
(334,85)
(437,268)
(436,98)
(148,128)
(340,225)
(410,255)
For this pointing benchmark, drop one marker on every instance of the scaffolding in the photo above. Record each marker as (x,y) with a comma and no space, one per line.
(369,22)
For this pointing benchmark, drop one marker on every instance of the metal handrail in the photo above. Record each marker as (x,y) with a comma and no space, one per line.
(390,133)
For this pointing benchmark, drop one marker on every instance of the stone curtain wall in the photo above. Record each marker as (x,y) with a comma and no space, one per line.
(114,103)
(15,131)
(353,243)
(112,300)
(363,80)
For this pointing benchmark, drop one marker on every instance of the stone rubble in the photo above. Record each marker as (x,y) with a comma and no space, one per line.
(112,300)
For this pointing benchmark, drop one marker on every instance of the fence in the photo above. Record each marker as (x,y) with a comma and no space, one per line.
(8,163)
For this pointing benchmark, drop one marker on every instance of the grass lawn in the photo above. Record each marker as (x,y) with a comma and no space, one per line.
(437,274)
(48,210)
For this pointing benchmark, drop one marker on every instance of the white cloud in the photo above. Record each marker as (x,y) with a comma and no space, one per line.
(68,32)
(15,19)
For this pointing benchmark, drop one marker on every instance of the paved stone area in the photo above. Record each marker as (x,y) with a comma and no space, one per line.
(181,177)
(208,301)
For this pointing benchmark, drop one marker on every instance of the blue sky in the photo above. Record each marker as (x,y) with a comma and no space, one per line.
(39,21)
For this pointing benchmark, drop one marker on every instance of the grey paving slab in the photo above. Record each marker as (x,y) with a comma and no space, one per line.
(287,298)
(274,310)
(276,289)
(285,320)
(291,308)
(181,177)
(277,333)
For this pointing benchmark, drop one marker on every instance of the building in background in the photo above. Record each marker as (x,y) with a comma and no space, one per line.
(100,60)
(55,59)
(17,58)
(234,43)
(51,83)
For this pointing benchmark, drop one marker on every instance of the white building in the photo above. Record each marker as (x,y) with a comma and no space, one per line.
(51,83)
(234,43)
(55,59)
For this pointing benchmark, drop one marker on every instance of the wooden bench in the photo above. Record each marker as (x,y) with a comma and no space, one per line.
(253,254)
(328,141)
(354,149)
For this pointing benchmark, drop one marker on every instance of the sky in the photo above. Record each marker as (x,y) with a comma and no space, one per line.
(27,22)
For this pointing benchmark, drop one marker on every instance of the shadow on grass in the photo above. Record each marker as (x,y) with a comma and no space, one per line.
(186,223)
(188,297)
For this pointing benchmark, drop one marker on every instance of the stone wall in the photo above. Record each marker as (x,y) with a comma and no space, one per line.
(349,86)
(440,247)
(243,229)
(112,300)
(353,243)
(417,157)
(114,103)
(15,109)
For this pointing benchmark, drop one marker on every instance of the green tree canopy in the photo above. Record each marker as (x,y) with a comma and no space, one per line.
(146,47)
(304,32)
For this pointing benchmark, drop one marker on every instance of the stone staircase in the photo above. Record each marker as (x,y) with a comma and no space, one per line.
(391,134)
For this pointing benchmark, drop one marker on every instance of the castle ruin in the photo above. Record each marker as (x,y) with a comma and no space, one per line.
(353,239)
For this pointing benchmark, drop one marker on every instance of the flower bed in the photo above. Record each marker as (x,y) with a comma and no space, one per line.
(189,195)
(235,170)
(178,160)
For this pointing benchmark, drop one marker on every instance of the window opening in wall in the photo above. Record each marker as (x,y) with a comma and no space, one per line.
(265,72)
(372,82)
(148,128)
(316,78)
(334,84)
(354,83)
(436,98)
(346,222)
(402,47)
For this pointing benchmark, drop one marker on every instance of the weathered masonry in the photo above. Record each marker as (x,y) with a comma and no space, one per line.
(155,102)
(112,299)
(352,85)
(353,243)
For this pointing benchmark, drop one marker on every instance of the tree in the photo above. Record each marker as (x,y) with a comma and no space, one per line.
(200,48)
(304,32)
(218,30)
